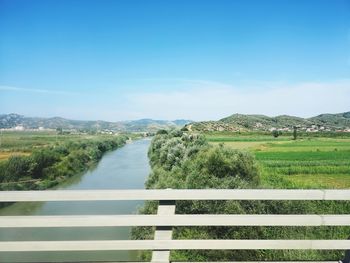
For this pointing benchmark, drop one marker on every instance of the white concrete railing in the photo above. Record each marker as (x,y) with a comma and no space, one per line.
(166,219)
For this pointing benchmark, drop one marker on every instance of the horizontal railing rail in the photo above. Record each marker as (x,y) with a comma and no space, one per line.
(166,218)
(167,194)
(174,220)
(202,244)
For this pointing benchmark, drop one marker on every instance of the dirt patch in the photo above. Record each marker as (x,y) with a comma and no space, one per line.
(6,155)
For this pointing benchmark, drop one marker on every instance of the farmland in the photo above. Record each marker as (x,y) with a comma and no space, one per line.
(26,141)
(308,162)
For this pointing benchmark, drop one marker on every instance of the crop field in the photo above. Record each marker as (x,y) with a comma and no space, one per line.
(243,141)
(25,141)
(312,162)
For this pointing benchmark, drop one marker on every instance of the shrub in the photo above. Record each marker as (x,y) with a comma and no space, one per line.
(276,133)
(221,167)
(15,168)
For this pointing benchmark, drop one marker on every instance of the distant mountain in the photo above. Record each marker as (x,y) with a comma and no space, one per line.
(235,122)
(144,125)
(241,122)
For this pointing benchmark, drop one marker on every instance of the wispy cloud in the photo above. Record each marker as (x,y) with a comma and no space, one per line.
(188,99)
(46,91)
(212,101)
(184,82)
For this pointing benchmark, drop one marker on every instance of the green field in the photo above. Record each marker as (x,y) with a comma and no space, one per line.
(309,162)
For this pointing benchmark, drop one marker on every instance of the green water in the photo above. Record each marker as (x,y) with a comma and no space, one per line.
(125,168)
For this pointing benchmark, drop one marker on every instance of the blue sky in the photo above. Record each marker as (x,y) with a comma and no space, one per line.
(118,60)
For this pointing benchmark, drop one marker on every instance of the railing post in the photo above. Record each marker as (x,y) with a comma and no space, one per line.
(165,207)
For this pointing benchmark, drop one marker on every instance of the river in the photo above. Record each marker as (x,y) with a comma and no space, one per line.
(124,168)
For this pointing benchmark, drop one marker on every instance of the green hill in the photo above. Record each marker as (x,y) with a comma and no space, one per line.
(241,122)
(339,120)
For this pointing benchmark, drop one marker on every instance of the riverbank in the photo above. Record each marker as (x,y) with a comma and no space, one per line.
(48,166)
(124,168)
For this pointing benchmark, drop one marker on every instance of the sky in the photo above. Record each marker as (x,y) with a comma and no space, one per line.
(174,59)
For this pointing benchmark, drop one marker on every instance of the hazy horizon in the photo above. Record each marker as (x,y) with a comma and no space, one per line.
(150,118)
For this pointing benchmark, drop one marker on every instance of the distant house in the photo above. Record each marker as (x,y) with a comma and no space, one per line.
(313,129)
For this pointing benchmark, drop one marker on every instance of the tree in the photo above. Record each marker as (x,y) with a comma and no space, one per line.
(162,132)
(59,130)
(295,132)
(276,133)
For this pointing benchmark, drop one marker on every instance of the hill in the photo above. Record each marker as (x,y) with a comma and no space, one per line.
(11,121)
(241,122)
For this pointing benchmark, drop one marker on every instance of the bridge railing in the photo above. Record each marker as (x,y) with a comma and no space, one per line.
(166,219)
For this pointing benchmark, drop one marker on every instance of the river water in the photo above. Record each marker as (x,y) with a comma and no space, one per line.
(124,168)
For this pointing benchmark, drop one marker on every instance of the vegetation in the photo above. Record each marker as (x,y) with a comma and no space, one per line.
(181,160)
(295,133)
(276,133)
(49,159)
